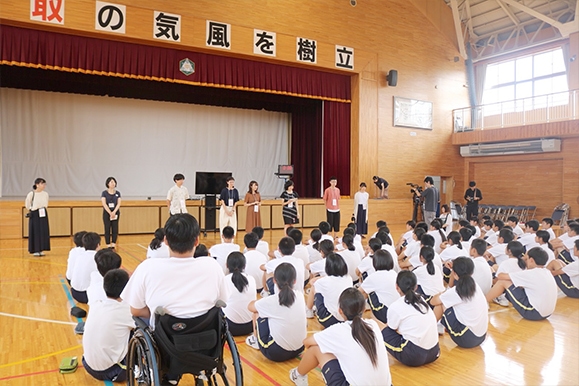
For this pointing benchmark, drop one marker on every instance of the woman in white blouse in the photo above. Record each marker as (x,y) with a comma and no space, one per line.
(38,233)
(361,210)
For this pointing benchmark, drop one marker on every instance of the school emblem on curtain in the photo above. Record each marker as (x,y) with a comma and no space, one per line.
(186,66)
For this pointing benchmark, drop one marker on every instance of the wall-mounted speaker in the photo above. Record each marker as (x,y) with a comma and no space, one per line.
(392,78)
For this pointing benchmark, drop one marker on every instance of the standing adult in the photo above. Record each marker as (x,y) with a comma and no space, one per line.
(253,204)
(361,210)
(472,196)
(290,210)
(430,198)
(382,184)
(111,200)
(177,196)
(332,201)
(38,232)
(228,199)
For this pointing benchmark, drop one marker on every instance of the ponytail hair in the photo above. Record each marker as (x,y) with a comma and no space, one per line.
(454,236)
(406,282)
(316,235)
(236,265)
(285,277)
(352,304)
(158,239)
(427,253)
(465,286)
(349,241)
(326,247)
(437,224)
(465,233)
(517,250)
(37,181)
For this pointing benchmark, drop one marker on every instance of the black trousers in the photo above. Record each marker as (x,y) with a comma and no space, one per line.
(111,227)
(471,211)
(334,219)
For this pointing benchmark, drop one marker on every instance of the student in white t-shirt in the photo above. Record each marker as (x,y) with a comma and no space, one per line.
(313,246)
(84,266)
(564,244)
(262,245)
(300,252)
(547,225)
(406,236)
(326,290)
(483,274)
(454,249)
(462,309)
(411,335)
(497,254)
(254,260)
(412,250)
(366,266)
(280,320)
(242,291)
(74,253)
(515,263)
(475,224)
(380,286)
(428,275)
(542,239)
(436,231)
(105,260)
(318,268)
(386,239)
(446,219)
(466,237)
(487,229)
(220,251)
(286,247)
(107,331)
(567,275)
(533,292)
(348,353)
(157,248)
(325,228)
(351,256)
(513,222)
(528,238)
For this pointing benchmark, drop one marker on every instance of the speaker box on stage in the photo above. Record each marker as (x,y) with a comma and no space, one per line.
(210,212)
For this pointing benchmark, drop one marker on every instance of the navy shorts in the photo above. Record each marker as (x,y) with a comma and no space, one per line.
(459,333)
(407,352)
(565,256)
(79,296)
(237,329)
(324,316)
(518,297)
(427,298)
(333,374)
(379,310)
(565,285)
(267,345)
(270,285)
(115,373)
(333,219)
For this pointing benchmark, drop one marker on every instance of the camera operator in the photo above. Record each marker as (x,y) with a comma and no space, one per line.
(382,184)
(431,197)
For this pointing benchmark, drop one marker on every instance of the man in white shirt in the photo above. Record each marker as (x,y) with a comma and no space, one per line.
(177,196)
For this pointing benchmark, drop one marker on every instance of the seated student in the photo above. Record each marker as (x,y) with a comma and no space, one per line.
(262,245)
(564,244)
(436,231)
(201,251)
(462,309)
(348,353)
(286,248)
(107,331)
(325,228)
(84,266)
(157,248)
(446,219)
(106,260)
(466,237)
(74,253)
(493,239)
(542,239)
(318,268)
(280,320)
(567,275)
(497,254)
(406,236)
(528,238)
(254,260)
(513,222)
(453,250)
(379,224)
(514,263)
(366,266)
(428,275)
(220,251)
(300,252)
(350,256)
(386,239)
(532,292)
(483,274)
(487,229)
(547,225)
(356,241)
(411,335)
(475,224)
(380,286)
(326,290)
(242,290)
(313,248)
(412,250)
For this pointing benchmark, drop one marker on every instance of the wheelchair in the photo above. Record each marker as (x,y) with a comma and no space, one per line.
(182,346)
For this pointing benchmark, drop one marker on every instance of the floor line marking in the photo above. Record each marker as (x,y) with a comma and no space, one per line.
(68,295)
(41,356)
(130,254)
(255,368)
(34,260)
(145,248)
(29,282)
(36,319)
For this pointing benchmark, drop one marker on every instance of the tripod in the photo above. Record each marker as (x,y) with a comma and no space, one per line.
(417,208)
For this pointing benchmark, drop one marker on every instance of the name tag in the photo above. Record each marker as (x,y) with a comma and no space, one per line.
(334,202)
(290,205)
(112,205)
(41,212)
(230,202)
(256,208)
(182,202)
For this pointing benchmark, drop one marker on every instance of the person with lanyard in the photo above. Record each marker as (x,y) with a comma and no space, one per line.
(253,204)
(38,231)
(228,199)
(332,201)
(382,184)
(431,197)
(290,210)
(361,210)
(472,196)
(111,200)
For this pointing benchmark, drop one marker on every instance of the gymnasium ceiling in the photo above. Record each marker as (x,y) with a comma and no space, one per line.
(496,27)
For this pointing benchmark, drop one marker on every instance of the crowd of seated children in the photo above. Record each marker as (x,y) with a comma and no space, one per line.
(567,275)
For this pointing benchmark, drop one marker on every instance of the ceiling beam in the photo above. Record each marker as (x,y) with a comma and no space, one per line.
(565,29)
(458,28)
(509,13)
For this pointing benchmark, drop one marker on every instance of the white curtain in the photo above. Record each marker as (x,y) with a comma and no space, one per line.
(76,141)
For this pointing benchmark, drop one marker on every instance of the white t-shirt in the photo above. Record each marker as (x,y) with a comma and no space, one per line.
(540,287)
(408,236)
(437,240)
(572,270)
(508,266)
(106,333)
(552,235)
(314,255)
(287,325)
(354,361)
(184,287)
(95,290)
(550,253)
(220,252)
(72,257)
(358,245)
(482,274)
(473,313)
(161,252)
(413,250)
(318,267)
(178,196)
(383,283)
(326,237)
(253,261)
(451,252)
(431,284)
(298,264)
(367,265)
(413,325)
(528,240)
(499,252)
(477,232)
(394,255)
(263,247)
(84,265)
(301,253)
(447,218)
(236,309)
(518,231)
(569,243)
(331,287)
(352,259)
(492,238)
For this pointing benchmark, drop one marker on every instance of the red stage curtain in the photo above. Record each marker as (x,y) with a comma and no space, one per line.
(337,144)
(306,151)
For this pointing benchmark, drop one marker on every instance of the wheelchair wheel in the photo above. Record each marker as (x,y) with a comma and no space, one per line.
(142,364)
(238,371)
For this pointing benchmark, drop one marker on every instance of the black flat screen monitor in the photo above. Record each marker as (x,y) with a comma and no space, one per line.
(210,182)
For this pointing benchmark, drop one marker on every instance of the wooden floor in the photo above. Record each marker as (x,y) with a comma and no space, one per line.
(37,332)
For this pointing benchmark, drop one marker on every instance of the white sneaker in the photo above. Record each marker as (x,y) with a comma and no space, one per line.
(501,301)
(37,254)
(440,328)
(309,313)
(297,379)
(264,293)
(251,341)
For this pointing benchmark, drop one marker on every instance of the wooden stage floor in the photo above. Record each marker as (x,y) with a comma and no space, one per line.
(37,332)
